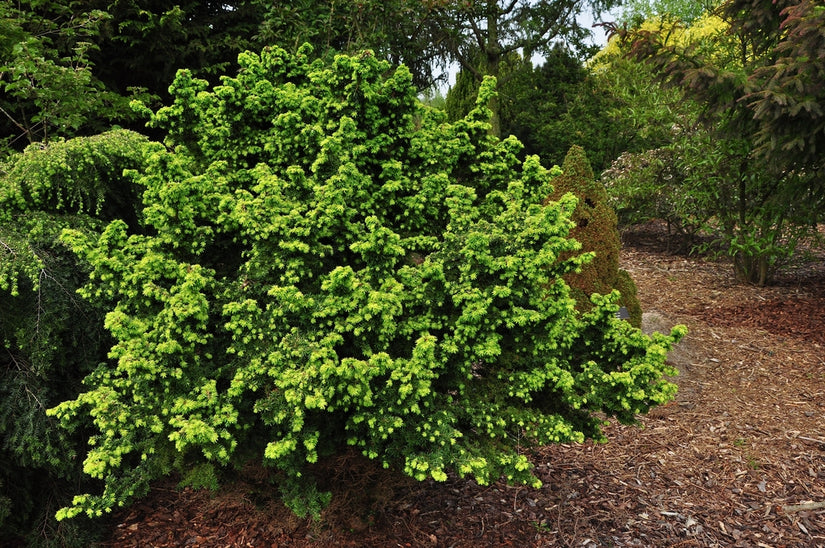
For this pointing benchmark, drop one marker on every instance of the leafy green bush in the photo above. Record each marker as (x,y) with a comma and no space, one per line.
(649,185)
(50,338)
(329,263)
(708,185)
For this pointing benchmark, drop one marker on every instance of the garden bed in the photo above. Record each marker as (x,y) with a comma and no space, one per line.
(738,459)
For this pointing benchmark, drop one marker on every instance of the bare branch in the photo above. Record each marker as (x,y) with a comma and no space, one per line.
(790,508)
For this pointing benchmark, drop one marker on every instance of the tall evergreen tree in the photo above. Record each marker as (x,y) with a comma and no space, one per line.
(143,43)
(481,35)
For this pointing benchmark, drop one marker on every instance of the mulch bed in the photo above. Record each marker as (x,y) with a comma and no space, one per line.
(738,459)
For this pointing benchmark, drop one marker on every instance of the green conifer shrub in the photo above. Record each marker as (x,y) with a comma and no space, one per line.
(50,338)
(327,263)
(596,230)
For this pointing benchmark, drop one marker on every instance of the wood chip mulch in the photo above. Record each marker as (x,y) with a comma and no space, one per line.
(738,459)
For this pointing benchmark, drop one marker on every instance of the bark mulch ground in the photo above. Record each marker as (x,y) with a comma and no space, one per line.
(738,459)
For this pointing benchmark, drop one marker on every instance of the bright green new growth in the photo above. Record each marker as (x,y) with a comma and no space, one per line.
(327,263)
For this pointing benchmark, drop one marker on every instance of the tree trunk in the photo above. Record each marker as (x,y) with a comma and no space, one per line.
(752,269)
(492,53)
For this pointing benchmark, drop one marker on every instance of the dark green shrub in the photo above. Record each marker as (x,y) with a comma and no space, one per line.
(50,338)
(596,229)
(329,264)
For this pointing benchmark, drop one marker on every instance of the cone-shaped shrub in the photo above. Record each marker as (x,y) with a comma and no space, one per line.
(328,263)
(596,229)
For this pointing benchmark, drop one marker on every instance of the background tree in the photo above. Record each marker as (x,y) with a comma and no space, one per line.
(786,95)
(399,31)
(143,43)
(482,34)
(686,11)
(653,122)
(560,104)
(759,213)
(47,85)
(553,106)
